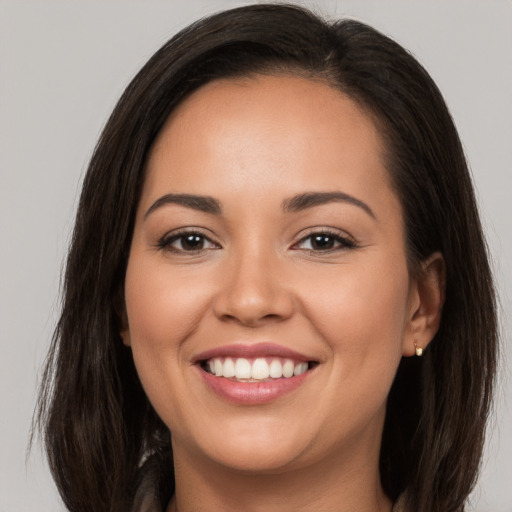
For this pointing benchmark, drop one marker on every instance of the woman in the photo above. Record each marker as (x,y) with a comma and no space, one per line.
(277,294)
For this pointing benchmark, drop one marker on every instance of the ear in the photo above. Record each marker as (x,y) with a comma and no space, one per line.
(426,299)
(125,331)
(120,309)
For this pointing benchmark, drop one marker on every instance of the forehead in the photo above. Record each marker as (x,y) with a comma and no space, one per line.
(273,133)
(270,101)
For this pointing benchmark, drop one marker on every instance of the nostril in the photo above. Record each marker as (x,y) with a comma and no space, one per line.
(250,320)
(253,297)
(272,316)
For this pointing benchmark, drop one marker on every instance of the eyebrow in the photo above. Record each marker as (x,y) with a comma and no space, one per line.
(294,204)
(201,203)
(311,199)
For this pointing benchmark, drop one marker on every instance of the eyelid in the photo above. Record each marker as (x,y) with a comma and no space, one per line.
(164,242)
(345,240)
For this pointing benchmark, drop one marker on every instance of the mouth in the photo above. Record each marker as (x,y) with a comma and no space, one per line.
(254,374)
(258,369)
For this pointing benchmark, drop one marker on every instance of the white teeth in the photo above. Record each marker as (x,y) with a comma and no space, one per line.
(259,369)
(218,367)
(276,369)
(242,368)
(228,368)
(288,368)
(300,369)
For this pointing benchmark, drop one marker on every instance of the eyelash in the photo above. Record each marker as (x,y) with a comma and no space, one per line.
(344,243)
(165,243)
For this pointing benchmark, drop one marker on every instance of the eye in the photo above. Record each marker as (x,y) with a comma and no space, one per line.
(324,241)
(187,241)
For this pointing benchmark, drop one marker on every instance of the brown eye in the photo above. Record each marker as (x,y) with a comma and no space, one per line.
(322,242)
(325,241)
(186,242)
(191,242)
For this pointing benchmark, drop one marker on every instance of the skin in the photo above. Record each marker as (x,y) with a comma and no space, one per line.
(251,144)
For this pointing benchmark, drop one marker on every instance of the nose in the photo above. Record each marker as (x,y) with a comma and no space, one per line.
(254,291)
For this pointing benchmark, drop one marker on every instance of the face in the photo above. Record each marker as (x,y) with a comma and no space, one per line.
(268,298)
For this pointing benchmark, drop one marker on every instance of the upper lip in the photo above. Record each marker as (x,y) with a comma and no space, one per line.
(251,351)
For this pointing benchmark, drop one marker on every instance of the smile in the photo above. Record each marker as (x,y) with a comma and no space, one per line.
(256,369)
(253,374)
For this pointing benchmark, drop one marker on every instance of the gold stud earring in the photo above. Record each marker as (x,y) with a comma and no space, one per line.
(419,350)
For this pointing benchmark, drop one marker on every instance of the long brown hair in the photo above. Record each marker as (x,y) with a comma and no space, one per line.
(99,426)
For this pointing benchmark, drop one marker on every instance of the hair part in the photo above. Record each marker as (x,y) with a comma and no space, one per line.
(98,425)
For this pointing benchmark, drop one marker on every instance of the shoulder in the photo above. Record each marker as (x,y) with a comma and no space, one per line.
(145,504)
(146,498)
(399,505)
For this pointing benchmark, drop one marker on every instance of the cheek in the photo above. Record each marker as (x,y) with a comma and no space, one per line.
(361,314)
(361,318)
(163,307)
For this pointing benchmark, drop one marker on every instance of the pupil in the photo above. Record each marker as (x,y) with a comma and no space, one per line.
(322,242)
(192,242)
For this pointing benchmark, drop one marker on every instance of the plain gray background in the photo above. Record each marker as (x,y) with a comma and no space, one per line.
(63,64)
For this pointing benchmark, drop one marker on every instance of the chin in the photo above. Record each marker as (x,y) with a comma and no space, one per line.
(263,447)
(248,458)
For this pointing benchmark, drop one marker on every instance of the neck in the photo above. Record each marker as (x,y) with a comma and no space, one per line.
(330,486)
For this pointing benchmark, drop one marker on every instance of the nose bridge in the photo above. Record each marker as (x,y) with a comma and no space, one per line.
(254,289)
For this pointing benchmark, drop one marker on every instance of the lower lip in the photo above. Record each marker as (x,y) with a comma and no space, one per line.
(252,393)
